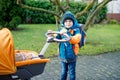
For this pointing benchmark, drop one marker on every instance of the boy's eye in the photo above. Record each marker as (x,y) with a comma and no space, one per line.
(68,21)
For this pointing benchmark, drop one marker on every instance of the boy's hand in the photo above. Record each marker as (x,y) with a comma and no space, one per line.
(49,30)
(63,31)
(50,35)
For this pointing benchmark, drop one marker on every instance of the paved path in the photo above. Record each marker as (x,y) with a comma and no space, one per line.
(100,67)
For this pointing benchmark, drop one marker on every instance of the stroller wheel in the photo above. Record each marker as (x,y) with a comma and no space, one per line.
(5,77)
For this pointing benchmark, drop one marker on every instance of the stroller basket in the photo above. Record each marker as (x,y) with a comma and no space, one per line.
(10,69)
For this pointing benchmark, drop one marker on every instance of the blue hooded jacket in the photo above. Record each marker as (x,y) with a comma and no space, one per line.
(66,51)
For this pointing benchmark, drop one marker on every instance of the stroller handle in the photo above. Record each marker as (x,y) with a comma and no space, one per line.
(52,39)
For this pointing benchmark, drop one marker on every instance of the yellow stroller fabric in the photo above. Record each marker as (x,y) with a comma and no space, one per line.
(7,63)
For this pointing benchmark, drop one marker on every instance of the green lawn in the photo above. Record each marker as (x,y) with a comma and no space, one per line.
(100,39)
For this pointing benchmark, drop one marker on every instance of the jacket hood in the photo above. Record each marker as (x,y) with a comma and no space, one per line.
(69,15)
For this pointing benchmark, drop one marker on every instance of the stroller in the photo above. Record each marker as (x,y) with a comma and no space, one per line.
(10,69)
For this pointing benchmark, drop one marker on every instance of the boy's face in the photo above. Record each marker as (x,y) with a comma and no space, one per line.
(68,23)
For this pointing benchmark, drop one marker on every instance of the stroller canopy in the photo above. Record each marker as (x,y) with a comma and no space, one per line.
(7,63)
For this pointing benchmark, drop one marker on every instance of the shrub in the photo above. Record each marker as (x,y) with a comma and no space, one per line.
(113,21)
(10,13)
(14,22)
(41,17)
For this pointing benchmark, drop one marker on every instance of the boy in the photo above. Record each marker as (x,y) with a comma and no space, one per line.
(68,50)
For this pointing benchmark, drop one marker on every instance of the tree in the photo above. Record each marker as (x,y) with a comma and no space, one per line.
(9,14)
(61,9)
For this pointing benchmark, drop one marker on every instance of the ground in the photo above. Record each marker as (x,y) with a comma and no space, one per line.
(99,67)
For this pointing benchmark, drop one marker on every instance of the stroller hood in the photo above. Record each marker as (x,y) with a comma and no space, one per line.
(7,63)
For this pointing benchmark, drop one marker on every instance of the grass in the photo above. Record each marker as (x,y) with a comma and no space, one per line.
(100,39)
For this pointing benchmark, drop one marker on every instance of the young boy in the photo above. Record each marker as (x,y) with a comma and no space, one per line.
(68,50)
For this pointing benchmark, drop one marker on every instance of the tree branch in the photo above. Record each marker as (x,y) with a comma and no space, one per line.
(86,9)
(98,8)
(38,9)
(59,6)
(68,4)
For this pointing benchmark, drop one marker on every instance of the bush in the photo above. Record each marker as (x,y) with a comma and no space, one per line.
(38,16)
(113,21)
(41,17)
(14,22)
(10,13)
